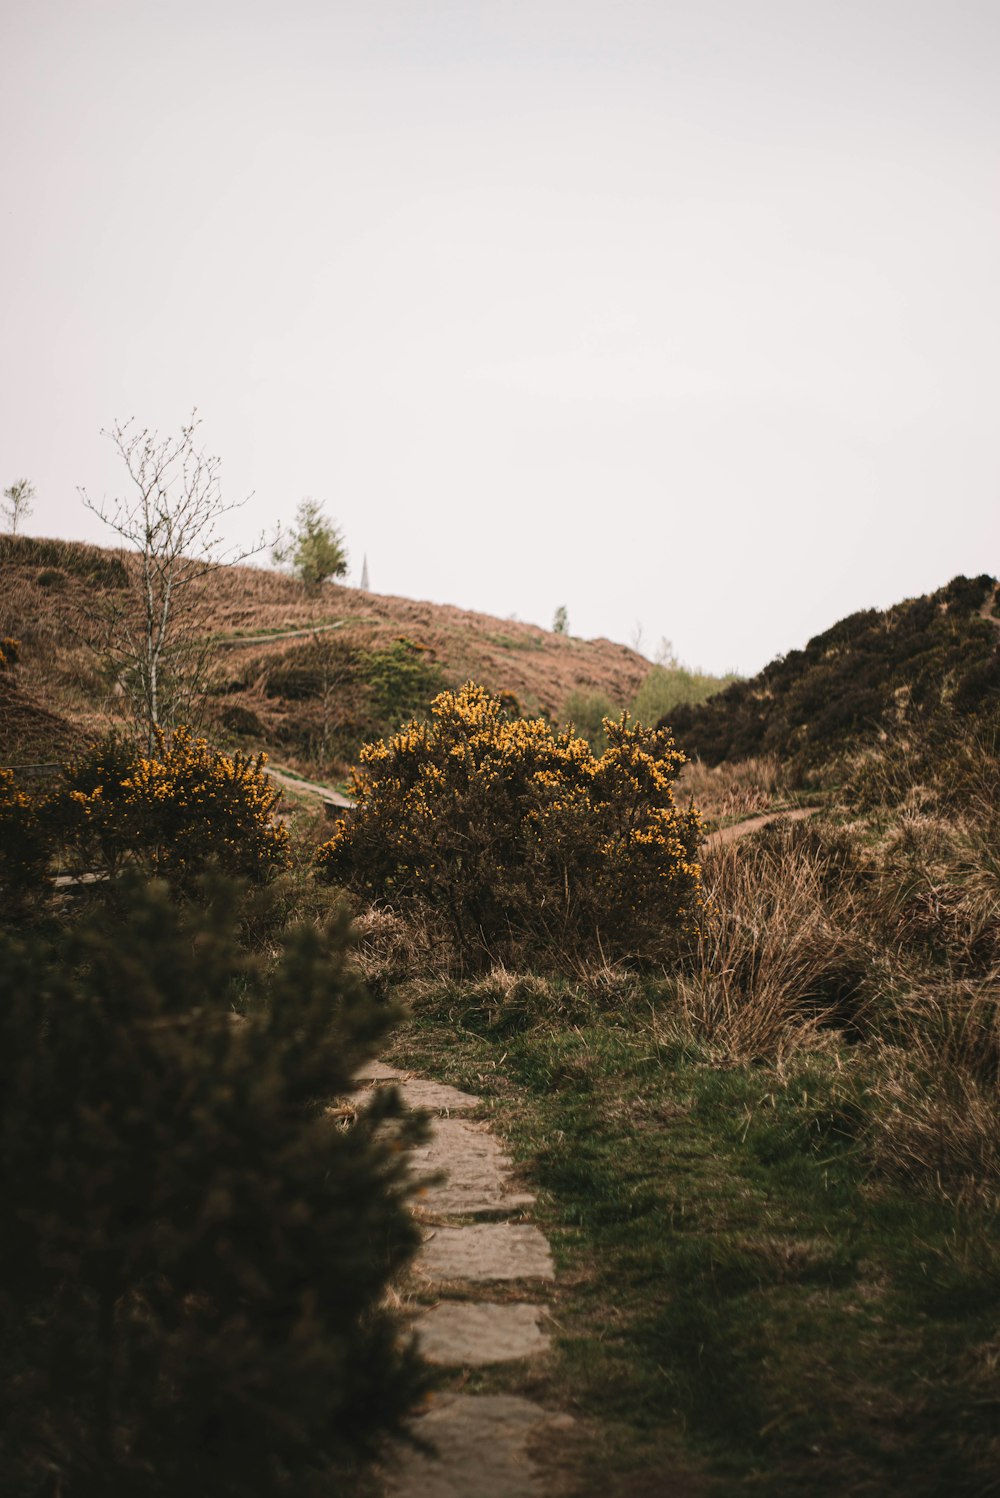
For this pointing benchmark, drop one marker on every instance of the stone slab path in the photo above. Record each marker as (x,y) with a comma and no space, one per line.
(475,1236)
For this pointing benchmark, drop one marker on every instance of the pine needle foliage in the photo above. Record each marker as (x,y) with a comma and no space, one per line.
(518,837)
(196,1248)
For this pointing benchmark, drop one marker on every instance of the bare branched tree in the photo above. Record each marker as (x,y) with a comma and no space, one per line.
(170,521)
(17,503)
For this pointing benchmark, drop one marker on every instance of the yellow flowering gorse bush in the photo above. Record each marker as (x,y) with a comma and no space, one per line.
(174,810)
(517,834)
(25,843)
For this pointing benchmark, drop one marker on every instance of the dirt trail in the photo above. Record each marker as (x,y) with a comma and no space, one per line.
(310,788)
(232,642)
(753,824)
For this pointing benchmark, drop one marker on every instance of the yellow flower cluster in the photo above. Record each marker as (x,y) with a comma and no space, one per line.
(176,809)
(511,829)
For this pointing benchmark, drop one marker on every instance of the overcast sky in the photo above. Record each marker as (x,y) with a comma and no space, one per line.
(682,313)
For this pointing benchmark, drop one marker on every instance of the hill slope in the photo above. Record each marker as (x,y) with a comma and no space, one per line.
(870,672)
(306,675)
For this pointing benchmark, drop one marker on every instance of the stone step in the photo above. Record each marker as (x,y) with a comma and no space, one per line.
(482,1445)
(485,1252)
(474,1168)
(473,1334)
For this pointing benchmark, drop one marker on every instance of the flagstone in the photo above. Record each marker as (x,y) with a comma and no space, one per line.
(465,1334)
(486,1251)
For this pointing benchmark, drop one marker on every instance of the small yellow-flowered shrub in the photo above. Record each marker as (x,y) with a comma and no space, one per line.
(25,843)
(518,836)
(172,811)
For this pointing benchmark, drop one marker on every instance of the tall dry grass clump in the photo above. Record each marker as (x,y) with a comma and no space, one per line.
(875,929)
(936,1090)
(779,962)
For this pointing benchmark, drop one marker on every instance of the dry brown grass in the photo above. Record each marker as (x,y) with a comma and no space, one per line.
(886,936)
(779,966)
(727,793)
(936,1089)
(400,952)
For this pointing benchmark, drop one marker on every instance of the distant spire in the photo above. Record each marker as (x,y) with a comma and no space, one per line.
(364,574)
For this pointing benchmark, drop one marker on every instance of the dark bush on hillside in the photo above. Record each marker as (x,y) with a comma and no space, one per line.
(403,680)
(309,669)
(195,1251)
(865,677)
(241,720)
(517,837)
(395,683)
(344,695)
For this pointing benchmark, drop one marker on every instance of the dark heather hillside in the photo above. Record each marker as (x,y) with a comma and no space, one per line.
(871,672)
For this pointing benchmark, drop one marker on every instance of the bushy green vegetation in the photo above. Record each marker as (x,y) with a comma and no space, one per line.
(868,675)
(671,685)
(585,712)
(516,837)
(196,1249)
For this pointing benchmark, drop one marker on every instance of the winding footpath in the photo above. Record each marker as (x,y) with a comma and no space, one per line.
(483,1269)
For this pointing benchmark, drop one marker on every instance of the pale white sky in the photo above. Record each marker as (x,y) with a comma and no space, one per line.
(680,314)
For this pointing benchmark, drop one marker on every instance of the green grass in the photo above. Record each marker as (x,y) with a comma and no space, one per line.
(732,1284)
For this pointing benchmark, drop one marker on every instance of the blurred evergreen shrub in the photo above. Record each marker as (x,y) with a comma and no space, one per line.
(196,1249)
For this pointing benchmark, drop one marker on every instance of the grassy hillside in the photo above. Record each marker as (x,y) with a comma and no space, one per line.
(308,676)
(868,674)
(766,1151)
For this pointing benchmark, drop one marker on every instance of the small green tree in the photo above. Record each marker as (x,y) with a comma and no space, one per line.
(17,503)
(196,1248)
(560,623)
(313,548)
